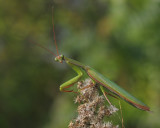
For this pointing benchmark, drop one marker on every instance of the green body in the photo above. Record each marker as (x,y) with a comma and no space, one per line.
(98,78)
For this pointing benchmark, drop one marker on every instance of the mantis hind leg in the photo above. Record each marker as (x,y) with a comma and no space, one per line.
(121,114)
(106,93)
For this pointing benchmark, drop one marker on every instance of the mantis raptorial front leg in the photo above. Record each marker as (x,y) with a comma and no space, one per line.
(72,81)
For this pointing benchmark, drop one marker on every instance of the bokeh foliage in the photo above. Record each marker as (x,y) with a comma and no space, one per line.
(119,38)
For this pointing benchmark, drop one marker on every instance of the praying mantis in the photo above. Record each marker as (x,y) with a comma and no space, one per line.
(106,85)
(99,79)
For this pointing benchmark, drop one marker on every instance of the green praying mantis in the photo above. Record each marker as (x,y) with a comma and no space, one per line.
(106,85)
(99,79)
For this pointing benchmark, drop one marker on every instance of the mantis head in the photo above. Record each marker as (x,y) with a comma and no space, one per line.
(59,58)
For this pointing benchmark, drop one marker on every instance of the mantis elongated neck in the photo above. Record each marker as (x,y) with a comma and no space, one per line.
(74,62)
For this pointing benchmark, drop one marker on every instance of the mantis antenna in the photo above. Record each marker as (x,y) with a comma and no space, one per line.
(44,48)
(54,35)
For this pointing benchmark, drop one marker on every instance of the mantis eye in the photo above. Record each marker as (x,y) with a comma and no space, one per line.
(56,59)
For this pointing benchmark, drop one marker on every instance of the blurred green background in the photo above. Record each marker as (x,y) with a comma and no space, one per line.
(118,38)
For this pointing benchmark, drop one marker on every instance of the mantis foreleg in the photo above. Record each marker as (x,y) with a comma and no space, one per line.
(72,81)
